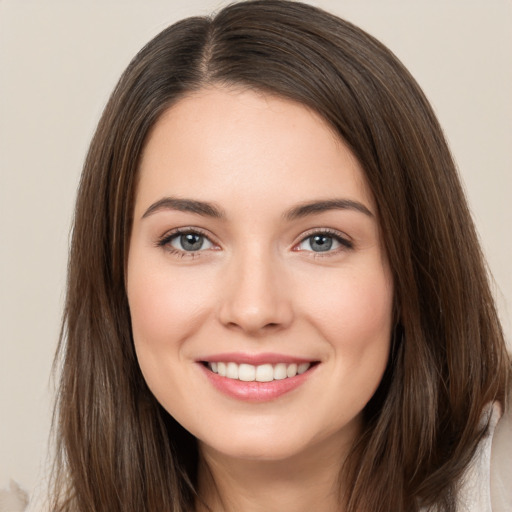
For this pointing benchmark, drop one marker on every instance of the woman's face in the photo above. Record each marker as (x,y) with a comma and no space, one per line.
(258,285)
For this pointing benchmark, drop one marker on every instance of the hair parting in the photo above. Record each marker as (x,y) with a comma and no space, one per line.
(117,449)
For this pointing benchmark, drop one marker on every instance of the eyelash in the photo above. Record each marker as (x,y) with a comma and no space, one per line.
(165,242)
(345,243)
(167,238)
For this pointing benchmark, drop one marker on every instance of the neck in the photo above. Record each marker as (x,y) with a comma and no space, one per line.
(305,482)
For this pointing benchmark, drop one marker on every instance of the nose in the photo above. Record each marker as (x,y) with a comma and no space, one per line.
(255,297)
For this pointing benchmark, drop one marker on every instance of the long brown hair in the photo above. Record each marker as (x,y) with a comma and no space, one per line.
(117,449)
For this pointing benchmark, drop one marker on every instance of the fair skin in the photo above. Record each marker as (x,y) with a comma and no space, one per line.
(278,266)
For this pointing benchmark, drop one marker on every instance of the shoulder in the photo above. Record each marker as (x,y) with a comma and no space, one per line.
(501,464)
(485,486)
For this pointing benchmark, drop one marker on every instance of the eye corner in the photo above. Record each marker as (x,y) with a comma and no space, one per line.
(336,242)
(172,242)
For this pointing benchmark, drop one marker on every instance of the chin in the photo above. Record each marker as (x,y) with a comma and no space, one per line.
(267,442)
(262,450)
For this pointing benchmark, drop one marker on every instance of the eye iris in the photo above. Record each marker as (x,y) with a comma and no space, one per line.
(320,243)
(191,242)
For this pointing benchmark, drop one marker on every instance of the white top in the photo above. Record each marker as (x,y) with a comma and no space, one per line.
(487,483)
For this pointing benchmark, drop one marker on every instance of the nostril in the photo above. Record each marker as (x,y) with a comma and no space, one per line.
(251,315)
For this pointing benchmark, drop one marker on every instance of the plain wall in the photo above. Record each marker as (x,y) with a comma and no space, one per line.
(59,60)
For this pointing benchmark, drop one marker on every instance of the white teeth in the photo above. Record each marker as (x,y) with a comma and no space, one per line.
(302,368)
(264,373)
(246,372)
(280,371)
(291,371)
(261,373)
(232,371)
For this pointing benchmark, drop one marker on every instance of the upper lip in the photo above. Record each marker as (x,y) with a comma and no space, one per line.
(254,359)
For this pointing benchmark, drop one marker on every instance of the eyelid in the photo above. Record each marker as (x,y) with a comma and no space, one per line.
(164,240)
(342,238)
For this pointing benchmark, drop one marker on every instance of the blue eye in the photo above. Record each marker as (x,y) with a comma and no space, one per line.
(186,241)
(323,242)
(190,242)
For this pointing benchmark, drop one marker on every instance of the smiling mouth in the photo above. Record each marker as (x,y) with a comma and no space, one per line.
(261,373)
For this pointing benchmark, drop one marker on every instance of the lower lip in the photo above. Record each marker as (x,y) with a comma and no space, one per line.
(256,391)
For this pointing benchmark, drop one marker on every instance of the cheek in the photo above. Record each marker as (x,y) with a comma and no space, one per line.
(164,304)
(355,318)
(167,308)
(355,314)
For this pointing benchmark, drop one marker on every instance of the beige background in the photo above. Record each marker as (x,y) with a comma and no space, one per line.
(59,60)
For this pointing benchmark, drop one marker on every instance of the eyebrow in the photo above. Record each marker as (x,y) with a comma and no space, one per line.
(185,205)
(315,207)
(211,210)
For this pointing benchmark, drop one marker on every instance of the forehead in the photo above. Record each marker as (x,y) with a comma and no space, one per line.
(218,143)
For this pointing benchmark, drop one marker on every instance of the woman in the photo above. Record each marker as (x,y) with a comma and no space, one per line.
(276,296)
